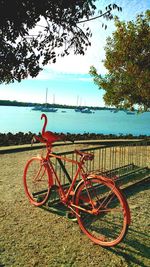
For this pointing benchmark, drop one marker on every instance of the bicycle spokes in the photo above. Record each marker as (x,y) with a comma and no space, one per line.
(38,175)
(36,181)
(101,212)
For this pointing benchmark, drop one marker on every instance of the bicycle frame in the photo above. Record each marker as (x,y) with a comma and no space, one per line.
(95,199)
(64,196)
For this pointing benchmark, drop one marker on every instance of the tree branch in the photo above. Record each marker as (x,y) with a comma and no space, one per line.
(82,21)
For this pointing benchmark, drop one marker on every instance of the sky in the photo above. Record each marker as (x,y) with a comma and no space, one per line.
(68,80)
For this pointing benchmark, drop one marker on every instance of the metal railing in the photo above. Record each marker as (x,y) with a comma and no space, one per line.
(112,159)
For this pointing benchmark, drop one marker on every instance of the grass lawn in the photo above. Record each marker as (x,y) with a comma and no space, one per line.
(31,236)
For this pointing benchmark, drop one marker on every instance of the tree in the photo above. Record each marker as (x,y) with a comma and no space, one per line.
(24,49)
(128,64)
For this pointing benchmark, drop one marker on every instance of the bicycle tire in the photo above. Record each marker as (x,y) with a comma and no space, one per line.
(37,181)
(108,225)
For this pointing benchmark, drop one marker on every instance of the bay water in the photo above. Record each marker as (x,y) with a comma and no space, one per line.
(24,119)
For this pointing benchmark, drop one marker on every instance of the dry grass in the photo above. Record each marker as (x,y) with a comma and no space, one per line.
(33,237)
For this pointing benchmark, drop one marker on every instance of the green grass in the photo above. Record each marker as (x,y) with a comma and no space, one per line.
(34,237)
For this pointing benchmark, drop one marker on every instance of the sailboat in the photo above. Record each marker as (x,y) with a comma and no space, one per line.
(78,107)
(47,109)
(86,110)
(37,107)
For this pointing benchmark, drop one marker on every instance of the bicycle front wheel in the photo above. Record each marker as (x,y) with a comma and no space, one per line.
(103,212)
(36,181)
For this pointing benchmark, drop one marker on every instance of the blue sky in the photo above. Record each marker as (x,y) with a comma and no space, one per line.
(68,79)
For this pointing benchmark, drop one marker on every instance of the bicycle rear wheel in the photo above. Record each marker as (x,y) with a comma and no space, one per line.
(36,181)
(103,211)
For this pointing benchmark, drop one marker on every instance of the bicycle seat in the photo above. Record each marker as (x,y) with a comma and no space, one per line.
(50,137)
(86,156)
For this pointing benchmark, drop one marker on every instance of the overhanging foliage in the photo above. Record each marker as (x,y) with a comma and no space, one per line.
(25,49)
(128,63)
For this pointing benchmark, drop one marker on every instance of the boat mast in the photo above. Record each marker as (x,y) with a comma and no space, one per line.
(46,95)
(77,101)
(53,99)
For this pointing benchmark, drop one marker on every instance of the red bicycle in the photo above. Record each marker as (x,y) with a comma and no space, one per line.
(99,205)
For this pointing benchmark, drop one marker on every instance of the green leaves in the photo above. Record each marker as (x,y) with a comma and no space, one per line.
(128,64)
(24,52)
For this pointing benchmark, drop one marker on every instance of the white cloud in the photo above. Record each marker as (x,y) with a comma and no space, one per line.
(43,75)
(86,79)
(50,74)
(95,54)
(77,64)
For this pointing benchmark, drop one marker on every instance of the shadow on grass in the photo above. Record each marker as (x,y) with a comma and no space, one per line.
(135,189)
(135,250)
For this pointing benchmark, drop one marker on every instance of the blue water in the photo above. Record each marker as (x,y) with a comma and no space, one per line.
(23,119)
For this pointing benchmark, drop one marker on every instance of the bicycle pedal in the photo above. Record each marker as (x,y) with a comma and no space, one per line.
(71,216)
(54,187)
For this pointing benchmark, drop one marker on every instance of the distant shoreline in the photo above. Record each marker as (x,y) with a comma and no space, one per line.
(21,138)
(25,104)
